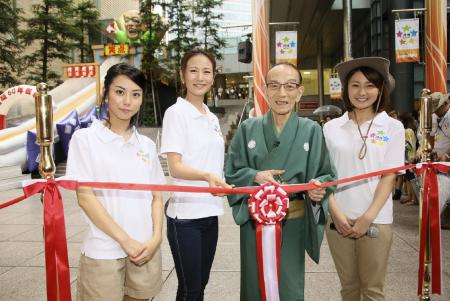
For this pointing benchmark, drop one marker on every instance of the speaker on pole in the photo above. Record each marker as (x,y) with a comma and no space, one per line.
(245,52)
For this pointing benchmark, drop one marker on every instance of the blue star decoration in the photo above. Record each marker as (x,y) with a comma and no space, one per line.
(385,138)
(413,33)
(293,44)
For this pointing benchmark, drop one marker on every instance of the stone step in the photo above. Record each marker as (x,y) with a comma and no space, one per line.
(10,172)
(13,182)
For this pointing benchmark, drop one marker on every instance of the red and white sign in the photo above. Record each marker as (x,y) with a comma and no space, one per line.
(80,71)
(11,96)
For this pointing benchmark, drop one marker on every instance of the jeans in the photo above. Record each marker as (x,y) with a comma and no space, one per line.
(193,244)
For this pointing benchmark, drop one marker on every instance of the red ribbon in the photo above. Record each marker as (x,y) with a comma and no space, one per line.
(57,271)
(56,260)
(268,207)
(431,225)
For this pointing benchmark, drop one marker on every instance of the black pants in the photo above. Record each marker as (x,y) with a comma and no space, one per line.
(193,244)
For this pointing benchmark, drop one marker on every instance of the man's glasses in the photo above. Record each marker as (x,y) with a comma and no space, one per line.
(289,86)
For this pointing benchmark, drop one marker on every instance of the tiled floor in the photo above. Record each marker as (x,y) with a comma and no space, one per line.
(22,273)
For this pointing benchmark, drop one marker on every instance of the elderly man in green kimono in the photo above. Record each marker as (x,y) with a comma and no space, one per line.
(280,147)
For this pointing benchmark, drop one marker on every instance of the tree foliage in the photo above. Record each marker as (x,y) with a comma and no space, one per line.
(51,29)
(86,20)
(206,21)
(10,44)
(182,29)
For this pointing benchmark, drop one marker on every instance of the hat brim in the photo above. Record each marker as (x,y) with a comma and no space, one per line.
(443,99)
(379,64)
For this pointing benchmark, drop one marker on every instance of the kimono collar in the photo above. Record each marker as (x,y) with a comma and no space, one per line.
(270,135)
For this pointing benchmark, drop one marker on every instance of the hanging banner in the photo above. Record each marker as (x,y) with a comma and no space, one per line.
(335,87)
(286,47)
(407,40)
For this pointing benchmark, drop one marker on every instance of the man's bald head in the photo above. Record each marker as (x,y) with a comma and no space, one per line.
(285,65)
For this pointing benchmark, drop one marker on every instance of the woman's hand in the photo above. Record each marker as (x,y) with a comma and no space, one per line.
(267,176)
(317,194)
(361,226)
(150,248)
(132,247)
(215,181)
(342,223)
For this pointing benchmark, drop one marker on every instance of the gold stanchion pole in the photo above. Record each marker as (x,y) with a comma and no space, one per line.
(44,130)
(426,110)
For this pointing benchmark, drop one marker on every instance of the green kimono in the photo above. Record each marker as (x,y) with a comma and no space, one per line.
(300,150)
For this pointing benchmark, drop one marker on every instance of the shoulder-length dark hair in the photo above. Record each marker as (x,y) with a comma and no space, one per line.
(375,78)
(133,73)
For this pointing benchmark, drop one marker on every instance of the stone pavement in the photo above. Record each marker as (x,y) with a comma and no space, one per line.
(22,272)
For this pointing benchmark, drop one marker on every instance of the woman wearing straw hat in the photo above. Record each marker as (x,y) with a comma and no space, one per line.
(363,140)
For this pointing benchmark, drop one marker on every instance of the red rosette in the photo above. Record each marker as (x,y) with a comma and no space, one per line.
(269,204)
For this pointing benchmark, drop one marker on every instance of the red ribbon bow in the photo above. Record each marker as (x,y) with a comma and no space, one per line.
(431,225)
(56,260)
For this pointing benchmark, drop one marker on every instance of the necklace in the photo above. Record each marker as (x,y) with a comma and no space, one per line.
(363,151)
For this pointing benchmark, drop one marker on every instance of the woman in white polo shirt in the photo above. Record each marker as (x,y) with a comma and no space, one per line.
(363,140)
(194,145)
(121,257)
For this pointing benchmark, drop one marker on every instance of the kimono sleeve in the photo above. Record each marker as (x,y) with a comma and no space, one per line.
(321,168)
(239,173)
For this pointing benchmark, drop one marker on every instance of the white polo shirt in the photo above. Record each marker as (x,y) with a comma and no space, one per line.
(98,154)
(198,139)
(441,133)
(385,149)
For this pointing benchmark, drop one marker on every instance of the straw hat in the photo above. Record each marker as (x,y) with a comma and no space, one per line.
(379,64)
(443,98)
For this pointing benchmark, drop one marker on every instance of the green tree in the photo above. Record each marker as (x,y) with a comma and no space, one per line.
(180,19)
(206,21)
(86,21)
(10,45)
(153,64)
(52,31)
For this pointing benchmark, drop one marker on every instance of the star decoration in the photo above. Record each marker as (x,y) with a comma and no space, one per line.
(413,33)
(286,40)
(399,34)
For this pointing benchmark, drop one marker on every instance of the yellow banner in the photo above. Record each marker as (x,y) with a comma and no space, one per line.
(117,49)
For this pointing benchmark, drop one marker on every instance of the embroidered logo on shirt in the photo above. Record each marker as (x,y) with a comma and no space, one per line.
(379,138)
(217,128)
(143,156)
(251,144)
(306,147)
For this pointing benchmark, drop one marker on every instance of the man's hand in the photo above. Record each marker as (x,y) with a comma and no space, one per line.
(267,176)
(342,223)
(316,194)
(150,248)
